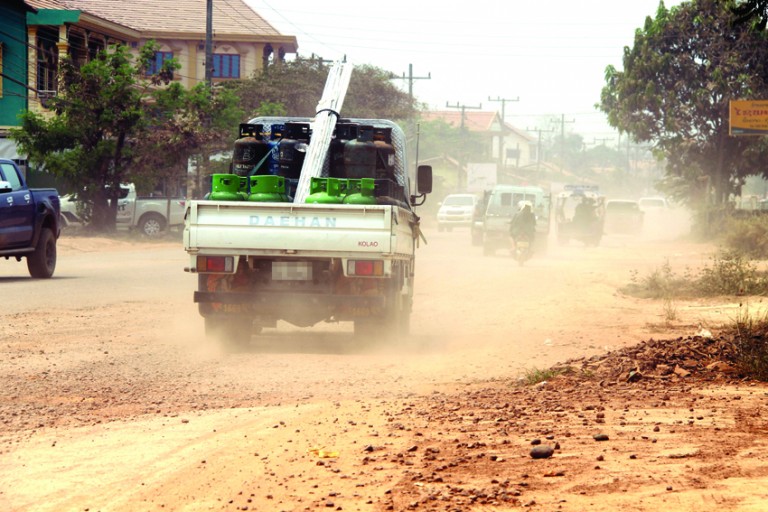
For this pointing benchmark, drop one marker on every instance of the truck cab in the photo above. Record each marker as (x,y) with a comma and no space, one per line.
(29,221)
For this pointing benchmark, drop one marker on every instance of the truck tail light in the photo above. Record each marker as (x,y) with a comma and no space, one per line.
(373,268)
(225,264)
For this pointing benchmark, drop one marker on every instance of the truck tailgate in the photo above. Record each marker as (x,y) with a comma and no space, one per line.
(288,228)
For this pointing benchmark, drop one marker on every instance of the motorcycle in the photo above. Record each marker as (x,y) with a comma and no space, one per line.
(522,250)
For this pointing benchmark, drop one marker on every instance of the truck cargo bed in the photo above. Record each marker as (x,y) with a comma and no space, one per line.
(246,228)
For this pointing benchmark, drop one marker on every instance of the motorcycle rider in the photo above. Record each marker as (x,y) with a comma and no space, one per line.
(523,225)
(585,213)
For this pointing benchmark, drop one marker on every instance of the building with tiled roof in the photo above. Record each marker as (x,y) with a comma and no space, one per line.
(243,42)
(510,146)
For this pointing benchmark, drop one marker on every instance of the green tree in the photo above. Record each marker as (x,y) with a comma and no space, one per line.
(751,11)
(99,110)
(298,86)
(456,146)
(184,123)
(687,62)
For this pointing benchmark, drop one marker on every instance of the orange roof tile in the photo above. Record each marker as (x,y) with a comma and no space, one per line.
(46,4)
(230,17)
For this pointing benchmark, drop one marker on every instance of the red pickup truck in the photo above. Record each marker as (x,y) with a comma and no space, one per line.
(29,221)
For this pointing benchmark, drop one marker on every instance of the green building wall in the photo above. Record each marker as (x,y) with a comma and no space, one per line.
(13,36)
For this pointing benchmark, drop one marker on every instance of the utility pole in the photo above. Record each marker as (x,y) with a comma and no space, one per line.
(503,102)
(463,157)
(463,110)
(562,139)
(411,78)
(538,146)
(209,43)
(412,132)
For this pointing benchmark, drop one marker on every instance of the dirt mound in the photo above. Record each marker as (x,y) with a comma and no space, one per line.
(700,357)
(658,421)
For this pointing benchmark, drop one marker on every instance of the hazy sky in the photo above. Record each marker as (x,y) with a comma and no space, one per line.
(551,54)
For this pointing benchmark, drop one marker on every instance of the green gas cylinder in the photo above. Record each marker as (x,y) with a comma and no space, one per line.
(243,189)
(225,187)
(361,191)
(326,190)
(268,189)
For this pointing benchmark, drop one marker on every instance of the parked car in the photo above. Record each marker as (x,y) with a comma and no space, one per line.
(152,214)
(456,210)
(623,216)
(149,214)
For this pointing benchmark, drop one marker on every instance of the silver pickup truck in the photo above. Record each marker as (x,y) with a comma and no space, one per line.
(150,215)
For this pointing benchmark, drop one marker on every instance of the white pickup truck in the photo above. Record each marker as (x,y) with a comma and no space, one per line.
(260,262)
(151,215)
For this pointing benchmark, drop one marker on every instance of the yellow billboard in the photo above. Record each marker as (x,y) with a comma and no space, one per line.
(748,117)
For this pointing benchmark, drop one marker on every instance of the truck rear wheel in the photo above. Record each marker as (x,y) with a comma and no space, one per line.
(42,262)
(394,325)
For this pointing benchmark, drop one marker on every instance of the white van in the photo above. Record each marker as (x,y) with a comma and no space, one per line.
(503,203)
(456,210)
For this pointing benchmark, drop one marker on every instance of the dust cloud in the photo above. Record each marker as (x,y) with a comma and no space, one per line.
(474,315)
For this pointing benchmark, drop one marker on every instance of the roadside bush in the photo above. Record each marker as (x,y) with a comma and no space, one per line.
(750,347)
(661,283)
(748,236)
(729,273)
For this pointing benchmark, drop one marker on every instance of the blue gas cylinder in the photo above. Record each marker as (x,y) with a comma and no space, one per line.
(273,162)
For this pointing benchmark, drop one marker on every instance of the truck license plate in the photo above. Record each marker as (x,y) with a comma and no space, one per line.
(291,271)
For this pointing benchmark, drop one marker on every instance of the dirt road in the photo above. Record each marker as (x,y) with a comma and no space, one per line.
(112,398)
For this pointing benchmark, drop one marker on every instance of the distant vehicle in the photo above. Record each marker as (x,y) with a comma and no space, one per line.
(456,210)
(653,203)
(623,216)
(29,221)
(503,203)
(150,214)
(478,216)
(579,213)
